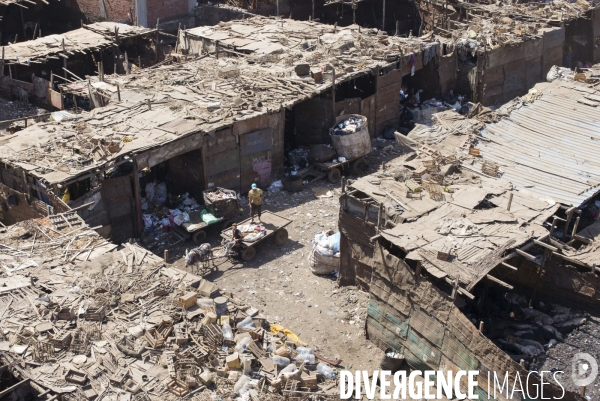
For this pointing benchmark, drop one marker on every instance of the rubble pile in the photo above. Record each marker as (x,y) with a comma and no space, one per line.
(524,332)
(126,324)
(51,241)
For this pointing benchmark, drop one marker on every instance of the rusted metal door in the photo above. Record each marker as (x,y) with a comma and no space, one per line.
(118,198)
(255,158)
(222,160)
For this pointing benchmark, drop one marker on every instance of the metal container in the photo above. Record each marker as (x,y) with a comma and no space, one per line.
(221,306)
(354,145)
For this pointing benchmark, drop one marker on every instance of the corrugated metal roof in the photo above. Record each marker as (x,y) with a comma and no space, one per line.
(551,146)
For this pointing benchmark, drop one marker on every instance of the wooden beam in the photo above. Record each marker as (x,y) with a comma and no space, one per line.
(544,245)
(527,256)
(498,281)
(509,266)
(460,289)
(14,387)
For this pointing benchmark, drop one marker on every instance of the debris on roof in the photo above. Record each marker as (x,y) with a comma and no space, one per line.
(93,37)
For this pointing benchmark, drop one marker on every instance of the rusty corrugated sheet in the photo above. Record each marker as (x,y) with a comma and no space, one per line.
(255,158)
(426,325)
(222,161)
(427,355)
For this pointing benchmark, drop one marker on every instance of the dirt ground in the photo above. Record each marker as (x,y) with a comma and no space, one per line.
(279,283)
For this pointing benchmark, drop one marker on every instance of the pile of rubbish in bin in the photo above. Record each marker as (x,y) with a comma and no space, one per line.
(160,215)
(125,326)
(348,126)
(219,194)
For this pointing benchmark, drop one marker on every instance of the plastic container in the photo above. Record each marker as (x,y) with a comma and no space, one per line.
(305,355)
(326,370)
(205,303)
(227,332)
(242,385)
(247,322)
(279,360)
(221,306)
(306,358)
(243,344)
(288,371)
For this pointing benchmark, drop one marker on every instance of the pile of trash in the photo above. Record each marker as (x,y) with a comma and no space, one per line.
(219,195)
(349,126)
(525,332)
(158,216)
(129,327)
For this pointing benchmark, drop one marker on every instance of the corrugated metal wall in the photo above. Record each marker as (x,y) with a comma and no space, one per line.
(414,317)
(221,160)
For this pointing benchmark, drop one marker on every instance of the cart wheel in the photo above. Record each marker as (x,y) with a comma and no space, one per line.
(359,166)
(199,236)
(248,254)
(281,236)
(226,225)
(334,175)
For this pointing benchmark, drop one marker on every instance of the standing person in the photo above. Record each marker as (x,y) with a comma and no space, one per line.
(255,200)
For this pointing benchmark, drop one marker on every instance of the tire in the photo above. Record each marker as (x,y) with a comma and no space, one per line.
(359,166)
(248,254)
(334,175)
(281,236)
(226,225)
(199,236)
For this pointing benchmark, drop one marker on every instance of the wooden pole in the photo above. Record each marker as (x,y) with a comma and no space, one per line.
(140,62)
(166,256)
(582,391)
(333,92)
(136,190)
(75,103)
(313,10)
(177,40)
(64,58)
(23,22)
(481,326)
(383,22)
(119,92)
(510,198)
(397,28)
(156,55)
(217,49)
(126,64)
(2,64)
(277,8)
(35,30)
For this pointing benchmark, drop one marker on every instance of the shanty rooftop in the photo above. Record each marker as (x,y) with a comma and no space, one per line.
(159,105)
(489,26)
(550,146)
(466,216)
(91,37)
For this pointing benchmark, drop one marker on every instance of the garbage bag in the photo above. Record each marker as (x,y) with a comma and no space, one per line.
(207,217)
(161,192)
(321,154)
(150,191)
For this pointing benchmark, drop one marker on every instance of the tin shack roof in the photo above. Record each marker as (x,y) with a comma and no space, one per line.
(550,145)
(203,95)
(91,37)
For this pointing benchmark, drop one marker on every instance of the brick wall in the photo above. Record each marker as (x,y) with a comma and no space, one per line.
(105,10)
(170,12)
(13,214)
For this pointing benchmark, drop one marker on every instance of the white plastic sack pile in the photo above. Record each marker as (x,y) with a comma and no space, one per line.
(327,245)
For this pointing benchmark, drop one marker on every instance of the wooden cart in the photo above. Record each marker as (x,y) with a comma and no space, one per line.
(274,227)
(333,171)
